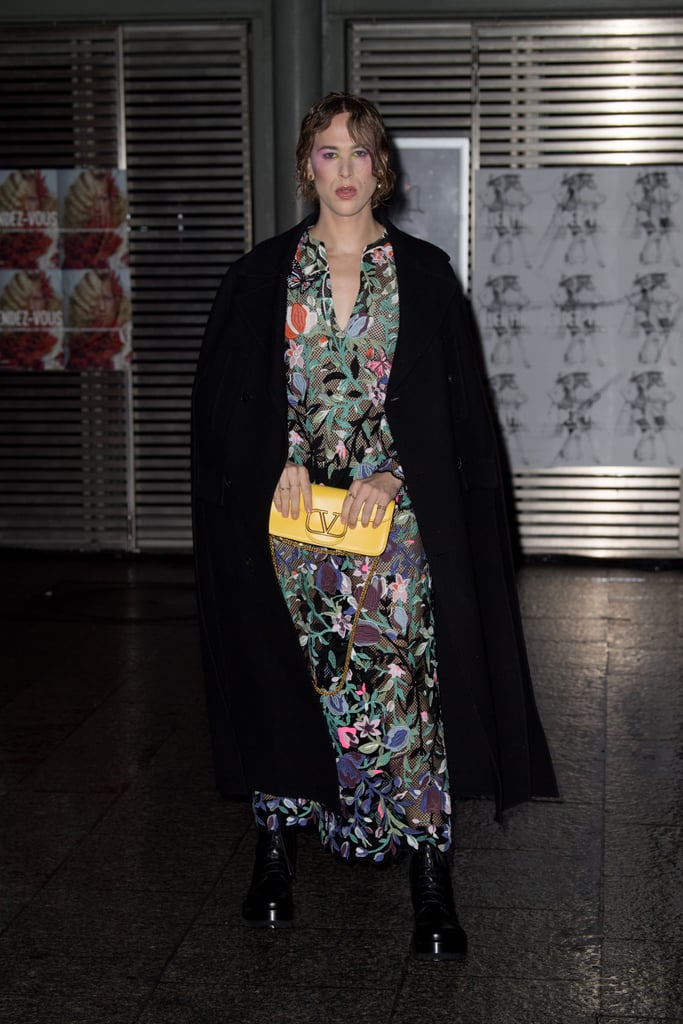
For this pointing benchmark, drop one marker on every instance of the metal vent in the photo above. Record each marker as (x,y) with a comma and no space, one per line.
(58,95)
(600,511)
(605,91)
(418,74)
(596,92)
(63,460)
(187,144)
(170,102)
(63,449)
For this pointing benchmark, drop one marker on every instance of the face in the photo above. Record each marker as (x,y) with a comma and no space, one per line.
(105,308)
(30,200)
(342,170)
(35,300)
(101,206)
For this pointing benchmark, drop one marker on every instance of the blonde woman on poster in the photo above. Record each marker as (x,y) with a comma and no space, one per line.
(30,321)
(93,218)
(99,320)
(28,220)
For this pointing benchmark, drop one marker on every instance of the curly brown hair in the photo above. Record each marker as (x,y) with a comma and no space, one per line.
(365,127)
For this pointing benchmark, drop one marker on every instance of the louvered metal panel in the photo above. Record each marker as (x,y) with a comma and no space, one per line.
(64,466)
(58,97)
(63,460)
(418,74)
(607,91)
(600,511)
(187,143)
(169,102)
(588,92)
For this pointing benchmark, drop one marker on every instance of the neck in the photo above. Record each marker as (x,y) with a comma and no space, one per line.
(345,234)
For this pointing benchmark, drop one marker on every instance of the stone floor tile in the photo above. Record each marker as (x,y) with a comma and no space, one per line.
(360,1002)
(644,780)
(86,924)
(536,944)
(60,989)
(153,862)
(447,994)
(307,957)
(124,870)
(39,831)
(647,704)
(179,801)
(555,631)
(580,774)
(566,826)
(643,892)
(531,880)
(642,978)
(106,752)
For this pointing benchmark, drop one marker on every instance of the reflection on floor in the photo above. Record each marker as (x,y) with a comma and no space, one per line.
(122,871)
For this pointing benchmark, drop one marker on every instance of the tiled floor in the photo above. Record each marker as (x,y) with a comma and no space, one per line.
(122,871)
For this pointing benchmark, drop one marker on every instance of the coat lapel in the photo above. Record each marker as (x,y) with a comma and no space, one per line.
(261,301)
(424,292)
(425,289)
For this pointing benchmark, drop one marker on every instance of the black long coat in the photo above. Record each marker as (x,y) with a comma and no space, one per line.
(267,727)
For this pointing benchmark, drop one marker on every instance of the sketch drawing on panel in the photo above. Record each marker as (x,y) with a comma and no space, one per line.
(575,219)
(572,399)
(502,300)
(508,399)
(505,202)
(654,309)
(576,301)
(652,201)
(646,398)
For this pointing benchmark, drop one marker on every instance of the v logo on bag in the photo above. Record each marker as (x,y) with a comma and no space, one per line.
(320,521)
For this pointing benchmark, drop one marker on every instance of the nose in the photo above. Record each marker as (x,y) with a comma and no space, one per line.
(345,167)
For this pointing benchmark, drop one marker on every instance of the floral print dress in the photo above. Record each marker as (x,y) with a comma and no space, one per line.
(385,721)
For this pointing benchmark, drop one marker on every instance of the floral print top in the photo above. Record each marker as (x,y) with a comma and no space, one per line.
(384,718)
(337,377)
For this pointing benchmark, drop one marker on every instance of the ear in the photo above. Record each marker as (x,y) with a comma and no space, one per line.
(309,170)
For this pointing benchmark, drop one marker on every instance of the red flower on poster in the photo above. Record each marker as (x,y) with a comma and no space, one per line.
(94,350)
(21,250)
(27,350)
(93,249)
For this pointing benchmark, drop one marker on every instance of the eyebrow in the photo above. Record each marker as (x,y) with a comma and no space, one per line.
(356,145)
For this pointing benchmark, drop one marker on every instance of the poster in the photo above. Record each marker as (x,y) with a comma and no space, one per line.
(431,198)
(578,292)
(64,281)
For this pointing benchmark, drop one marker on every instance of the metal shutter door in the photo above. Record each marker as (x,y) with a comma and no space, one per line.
(99,459)
(543,93)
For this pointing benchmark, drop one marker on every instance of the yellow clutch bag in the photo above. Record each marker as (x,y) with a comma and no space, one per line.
(322,526)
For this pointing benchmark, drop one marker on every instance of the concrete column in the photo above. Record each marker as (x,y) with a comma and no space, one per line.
(297,82)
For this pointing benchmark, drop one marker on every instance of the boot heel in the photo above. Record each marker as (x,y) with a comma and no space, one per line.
(437,935)
(269,903)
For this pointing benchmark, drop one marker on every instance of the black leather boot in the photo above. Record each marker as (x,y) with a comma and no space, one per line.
(438,934)
(268,903)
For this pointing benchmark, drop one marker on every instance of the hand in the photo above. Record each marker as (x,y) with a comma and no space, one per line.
(294,483)
(378,489)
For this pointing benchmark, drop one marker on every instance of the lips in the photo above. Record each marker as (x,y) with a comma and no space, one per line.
(345,192)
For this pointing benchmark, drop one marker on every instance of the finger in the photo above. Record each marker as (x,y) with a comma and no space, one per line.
(357,509)
(346,508)
(306,492)
(294,500)
(282,499)
(368,506)
(379,515)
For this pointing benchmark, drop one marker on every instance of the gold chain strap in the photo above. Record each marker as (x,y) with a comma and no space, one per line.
(354,625)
